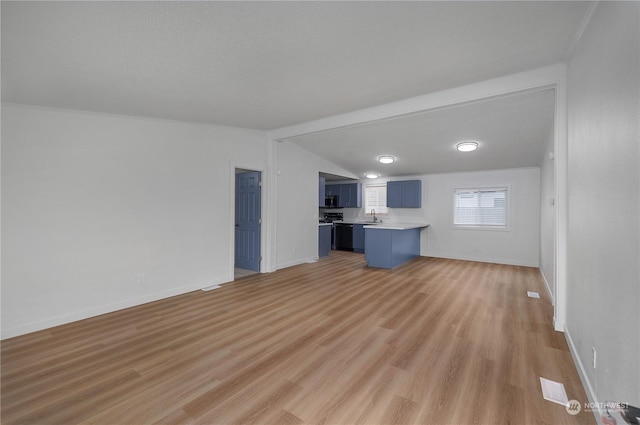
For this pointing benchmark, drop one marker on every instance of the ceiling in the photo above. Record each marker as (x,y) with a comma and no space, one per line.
(268,65)
(511,132)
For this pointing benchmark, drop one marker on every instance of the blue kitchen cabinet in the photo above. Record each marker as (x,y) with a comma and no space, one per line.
(324,240)
(390,248)
(404,194)
(343,195)
(349,194)
(321,191)
(412,194)
(358,238)
(355,195)
(394,194)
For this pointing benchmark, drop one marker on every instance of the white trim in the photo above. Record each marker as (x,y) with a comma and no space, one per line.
(591,395)
(546,285)
(270,255)
(109,308)
(561,167)
(264,212)
(297,262)
(507,261)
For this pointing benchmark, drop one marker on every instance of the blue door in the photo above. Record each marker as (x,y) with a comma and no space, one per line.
(248,221)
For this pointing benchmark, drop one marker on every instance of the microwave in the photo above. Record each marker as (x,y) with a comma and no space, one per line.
(331,201)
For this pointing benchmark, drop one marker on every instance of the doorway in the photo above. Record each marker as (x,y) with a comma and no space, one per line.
(248,222)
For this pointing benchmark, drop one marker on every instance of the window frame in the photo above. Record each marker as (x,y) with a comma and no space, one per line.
(367,209)
(496,228)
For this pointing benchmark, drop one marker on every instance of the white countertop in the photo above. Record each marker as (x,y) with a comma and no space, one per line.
(384,226)
(397,226)
(370,223)
(325,224)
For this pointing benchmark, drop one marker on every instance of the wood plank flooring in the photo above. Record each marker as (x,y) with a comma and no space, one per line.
(435,341)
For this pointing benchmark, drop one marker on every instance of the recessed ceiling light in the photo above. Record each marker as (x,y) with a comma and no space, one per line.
(467,146)
(372,175)
(386,159)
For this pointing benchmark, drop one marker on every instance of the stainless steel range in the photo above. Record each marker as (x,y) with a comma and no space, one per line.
(330,217)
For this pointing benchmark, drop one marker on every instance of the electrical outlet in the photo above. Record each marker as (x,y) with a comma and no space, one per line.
(140,278)
(593,356)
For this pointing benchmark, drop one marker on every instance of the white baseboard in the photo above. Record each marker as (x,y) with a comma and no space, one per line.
(586,384)
(510,262)
(546,284)
(296,262)
(104,309)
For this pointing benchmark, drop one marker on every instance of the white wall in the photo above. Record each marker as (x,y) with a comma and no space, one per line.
(518,246)
(547,217)
(91,202)
(297,203)
(604,202)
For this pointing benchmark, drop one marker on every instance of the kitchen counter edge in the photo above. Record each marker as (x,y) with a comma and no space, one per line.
(397,226)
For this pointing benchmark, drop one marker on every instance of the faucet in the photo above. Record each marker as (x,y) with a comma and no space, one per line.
(373,213)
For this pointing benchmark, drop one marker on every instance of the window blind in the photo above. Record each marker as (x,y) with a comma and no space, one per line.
(480,207)
(376,198)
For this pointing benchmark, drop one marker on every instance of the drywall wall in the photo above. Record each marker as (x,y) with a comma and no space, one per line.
(547,216)
(297,203)
(518,246)
(101,212)
(603,292)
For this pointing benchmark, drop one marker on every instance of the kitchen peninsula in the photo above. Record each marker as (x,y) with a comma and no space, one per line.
(390,245)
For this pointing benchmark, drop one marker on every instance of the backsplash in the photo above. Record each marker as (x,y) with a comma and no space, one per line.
(395,215)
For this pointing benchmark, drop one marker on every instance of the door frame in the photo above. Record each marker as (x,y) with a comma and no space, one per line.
(234,165)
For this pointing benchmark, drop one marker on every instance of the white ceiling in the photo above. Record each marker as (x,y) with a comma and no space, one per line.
(268,65)
(511,132)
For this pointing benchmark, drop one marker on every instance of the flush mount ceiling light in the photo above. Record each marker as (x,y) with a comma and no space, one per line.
(468,146)
(372,175)
(386,159)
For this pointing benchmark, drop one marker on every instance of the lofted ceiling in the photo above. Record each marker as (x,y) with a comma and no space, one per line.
(511,132)
(268,65)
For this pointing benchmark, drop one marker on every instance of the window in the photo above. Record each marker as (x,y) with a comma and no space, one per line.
(481,208)
(375,196)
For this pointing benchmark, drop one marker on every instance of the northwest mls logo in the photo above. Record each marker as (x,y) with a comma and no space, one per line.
(573,407)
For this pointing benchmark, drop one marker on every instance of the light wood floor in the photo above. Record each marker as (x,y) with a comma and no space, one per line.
(433,342)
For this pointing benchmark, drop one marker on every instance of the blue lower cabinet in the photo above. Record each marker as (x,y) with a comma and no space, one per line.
(388,248)
(358,238)
(324,240)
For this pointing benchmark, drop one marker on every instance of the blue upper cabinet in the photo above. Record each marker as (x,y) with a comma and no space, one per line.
(321,194)
(394,194)
(332,189)
(349,195)
(412,194)
(404,194)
